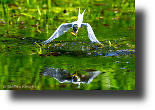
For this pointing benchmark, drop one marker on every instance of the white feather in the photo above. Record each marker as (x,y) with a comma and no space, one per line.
(60,30)
(91,34)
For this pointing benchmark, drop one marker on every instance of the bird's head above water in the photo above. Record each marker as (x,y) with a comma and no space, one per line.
(75,29)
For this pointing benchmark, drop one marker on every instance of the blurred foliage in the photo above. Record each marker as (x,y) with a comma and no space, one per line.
(49,14)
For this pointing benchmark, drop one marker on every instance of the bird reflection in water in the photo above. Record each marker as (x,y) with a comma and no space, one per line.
(63,75)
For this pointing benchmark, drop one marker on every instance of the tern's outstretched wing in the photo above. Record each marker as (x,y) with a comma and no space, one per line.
(90,76)
(59,74)
(90,32)
(60,30)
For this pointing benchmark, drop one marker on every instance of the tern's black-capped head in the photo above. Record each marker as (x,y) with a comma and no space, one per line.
(75,28)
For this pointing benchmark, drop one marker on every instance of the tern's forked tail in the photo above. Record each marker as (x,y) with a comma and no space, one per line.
(80,16)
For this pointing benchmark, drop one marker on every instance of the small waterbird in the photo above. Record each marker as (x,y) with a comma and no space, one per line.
(76,25)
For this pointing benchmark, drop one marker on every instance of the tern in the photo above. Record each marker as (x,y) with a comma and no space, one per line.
(76,25)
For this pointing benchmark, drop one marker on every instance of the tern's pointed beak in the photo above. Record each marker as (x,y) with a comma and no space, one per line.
(75,34)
